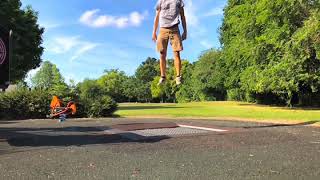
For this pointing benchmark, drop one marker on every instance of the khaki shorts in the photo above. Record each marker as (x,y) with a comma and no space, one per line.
(172,34)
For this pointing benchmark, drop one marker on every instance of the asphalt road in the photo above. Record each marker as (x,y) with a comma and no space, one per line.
(79,149)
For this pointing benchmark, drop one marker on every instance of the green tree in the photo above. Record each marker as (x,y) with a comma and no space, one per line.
(157,92)
(148,70)
(49,78)
(208,77)
(27,37)
(270,49)
(185,92)
(113,83)
(89,89)
(93,101)
(136,91)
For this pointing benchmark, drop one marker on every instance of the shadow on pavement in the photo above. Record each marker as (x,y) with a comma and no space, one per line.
(7,122)
(282,125)
(37,137)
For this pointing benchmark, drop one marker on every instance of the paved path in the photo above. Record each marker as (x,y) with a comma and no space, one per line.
(85,149)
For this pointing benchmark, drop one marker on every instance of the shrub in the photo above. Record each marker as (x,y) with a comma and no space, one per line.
(236,95)
(101,106)
(24,104)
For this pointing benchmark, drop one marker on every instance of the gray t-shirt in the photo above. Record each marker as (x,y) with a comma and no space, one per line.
(169,12)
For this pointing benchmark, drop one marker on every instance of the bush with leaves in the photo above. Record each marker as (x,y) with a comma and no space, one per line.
(24,104)
(101,107)
(93,100)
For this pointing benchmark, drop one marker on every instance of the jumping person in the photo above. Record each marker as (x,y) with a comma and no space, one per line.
(168,13)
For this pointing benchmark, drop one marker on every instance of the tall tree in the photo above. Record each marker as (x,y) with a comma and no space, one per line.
(27,37)
(49,77)
(148,70)
(113,83)
(89,89)
(268,50)
(185,92)
(208,77)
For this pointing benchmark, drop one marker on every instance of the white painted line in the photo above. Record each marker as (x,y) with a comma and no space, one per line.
(315,142)
(202,128)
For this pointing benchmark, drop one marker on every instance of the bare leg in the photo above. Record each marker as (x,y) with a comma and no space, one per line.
(177,63)
(163,63)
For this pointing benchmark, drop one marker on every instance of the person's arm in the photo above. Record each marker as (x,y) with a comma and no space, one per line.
(184,24)
(155,26)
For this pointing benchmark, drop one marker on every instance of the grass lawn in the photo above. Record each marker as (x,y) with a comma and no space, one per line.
(222,110)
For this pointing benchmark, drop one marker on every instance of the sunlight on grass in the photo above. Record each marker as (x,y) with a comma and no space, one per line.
(218,109)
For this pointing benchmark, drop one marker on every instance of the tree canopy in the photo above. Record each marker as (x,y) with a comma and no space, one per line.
(49,77)
(271,49)
(27,37)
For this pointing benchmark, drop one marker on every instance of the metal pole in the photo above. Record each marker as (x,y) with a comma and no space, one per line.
(10,54)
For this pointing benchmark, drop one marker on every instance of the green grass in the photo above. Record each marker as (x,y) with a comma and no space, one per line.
(224,110)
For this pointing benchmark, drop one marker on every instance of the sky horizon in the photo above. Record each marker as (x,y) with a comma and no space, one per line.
(83,39)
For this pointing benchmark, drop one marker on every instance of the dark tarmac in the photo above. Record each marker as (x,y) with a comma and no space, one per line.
(123,149)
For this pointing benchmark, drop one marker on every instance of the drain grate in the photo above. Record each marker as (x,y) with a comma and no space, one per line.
(179,131)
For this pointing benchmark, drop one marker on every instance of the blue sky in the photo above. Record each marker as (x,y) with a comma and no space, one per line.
(84,37)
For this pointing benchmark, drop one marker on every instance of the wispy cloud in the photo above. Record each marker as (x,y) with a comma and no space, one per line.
(217,11)
(49,25)
(60,45)
(206,44)
(74,45)
(85,47)
(196,28)
(92,18)
(191,15)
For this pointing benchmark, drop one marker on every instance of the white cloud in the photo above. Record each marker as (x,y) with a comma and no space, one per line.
(49,26)
(191,15)
(85,47)
(87,17)
(93,19)
(206,44)
(74,45)
(136,18)
(214,12)
(196,29)
(62,45)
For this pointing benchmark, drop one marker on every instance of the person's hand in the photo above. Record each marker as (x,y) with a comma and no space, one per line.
(184,36)
(154,37)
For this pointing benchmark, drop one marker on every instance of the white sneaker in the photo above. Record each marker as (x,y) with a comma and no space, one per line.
(162,80)
(178,80)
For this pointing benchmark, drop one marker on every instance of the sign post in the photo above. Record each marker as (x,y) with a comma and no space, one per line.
(5,56)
